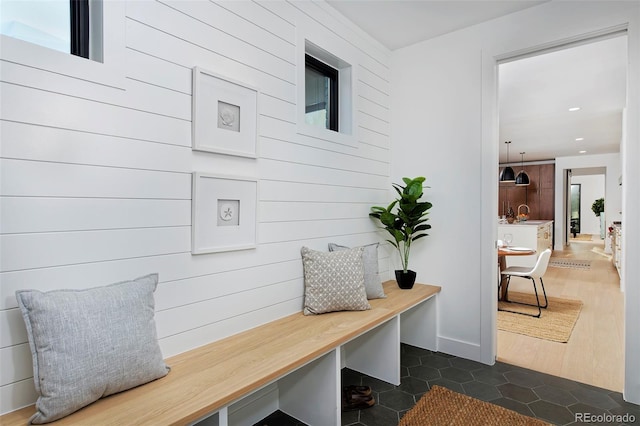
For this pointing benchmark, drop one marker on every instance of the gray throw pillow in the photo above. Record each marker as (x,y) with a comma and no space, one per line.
(333,281)
(87,344)
(372,281)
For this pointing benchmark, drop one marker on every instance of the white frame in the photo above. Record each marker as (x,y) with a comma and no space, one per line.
(340,55)
(209,90)
(209,192)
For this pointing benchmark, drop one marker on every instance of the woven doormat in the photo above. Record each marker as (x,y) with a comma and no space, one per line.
(441,406)
(570,263)
(556,322)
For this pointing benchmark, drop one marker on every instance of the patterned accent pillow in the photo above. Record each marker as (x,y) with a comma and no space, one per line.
(372,281)
(333,281)
(87,344)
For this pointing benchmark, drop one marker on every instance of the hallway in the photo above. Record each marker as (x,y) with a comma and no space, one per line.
(594,354)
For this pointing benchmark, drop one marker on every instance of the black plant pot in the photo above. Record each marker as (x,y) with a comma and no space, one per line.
(405,280)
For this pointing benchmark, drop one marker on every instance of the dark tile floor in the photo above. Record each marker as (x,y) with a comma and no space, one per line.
(556,400)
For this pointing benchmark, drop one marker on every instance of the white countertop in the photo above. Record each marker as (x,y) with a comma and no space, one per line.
(527,223)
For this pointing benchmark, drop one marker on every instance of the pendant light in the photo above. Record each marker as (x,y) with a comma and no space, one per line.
(522,179)
(507,174)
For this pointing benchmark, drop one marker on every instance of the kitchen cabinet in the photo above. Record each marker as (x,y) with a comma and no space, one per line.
(547,176)
(535,234)
(547,205)
(539,195)
(546,191)
(545,236)
(616,247)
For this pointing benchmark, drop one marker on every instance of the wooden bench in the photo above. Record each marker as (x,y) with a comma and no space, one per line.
(292,364)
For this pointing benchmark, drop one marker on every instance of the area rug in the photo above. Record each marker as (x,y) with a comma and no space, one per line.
(556,322)
(570,263)
(582,237)
(441,406)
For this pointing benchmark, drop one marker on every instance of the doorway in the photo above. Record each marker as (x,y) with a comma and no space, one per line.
(539,142)
(588,186)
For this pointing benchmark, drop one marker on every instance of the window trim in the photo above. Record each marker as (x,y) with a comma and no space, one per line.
(107,69)
(333,75)
(313,40)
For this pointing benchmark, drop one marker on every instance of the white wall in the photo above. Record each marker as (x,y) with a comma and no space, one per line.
(96,170)
(445,127)
(436,134)
(591,189)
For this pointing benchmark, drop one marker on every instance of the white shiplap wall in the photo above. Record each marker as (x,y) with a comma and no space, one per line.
(96,179)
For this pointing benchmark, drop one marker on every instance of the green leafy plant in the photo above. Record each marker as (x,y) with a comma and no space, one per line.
(405,218)
(598,206)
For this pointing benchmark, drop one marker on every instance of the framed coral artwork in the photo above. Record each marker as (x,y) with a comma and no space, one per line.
(224,116)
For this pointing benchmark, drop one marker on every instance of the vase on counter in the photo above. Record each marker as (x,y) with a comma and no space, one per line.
(511,215)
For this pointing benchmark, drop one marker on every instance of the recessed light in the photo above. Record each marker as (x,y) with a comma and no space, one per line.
(579,139)
(582,152)
(574,109)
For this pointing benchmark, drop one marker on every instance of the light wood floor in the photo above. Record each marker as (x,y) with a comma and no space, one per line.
(595,352)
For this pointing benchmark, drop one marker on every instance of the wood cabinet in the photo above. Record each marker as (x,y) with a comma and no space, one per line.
(616,247)
(547,176)
(539,195)
(545,237)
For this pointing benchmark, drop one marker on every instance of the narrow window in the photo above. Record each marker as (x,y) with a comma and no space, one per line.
(321,94)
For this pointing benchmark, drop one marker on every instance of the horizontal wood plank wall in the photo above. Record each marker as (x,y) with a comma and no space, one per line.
(96,180)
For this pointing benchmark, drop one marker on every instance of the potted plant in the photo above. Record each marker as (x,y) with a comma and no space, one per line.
(598,209)
(405,219)
(598,206)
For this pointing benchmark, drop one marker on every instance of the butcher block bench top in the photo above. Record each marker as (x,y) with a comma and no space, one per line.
(204,380)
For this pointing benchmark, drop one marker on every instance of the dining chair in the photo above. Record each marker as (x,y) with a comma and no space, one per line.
(534,273)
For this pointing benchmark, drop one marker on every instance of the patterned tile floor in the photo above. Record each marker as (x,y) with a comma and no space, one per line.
(556,400)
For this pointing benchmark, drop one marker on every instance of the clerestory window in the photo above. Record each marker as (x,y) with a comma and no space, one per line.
(63,25)
(321,94)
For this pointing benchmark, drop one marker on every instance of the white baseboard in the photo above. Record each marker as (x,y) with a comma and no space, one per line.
(460,348)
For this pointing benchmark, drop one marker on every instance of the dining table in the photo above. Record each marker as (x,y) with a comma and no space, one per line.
(503,252)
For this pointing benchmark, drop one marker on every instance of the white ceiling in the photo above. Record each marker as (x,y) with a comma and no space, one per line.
(536,92)
(535,95)
(400,23)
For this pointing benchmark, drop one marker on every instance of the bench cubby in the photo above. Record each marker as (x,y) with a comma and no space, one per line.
(292,364)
